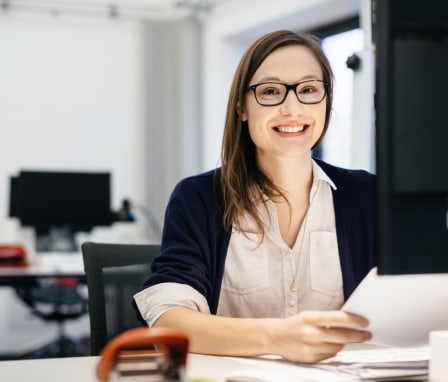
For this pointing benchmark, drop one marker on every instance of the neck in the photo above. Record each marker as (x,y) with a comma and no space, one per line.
(292,174)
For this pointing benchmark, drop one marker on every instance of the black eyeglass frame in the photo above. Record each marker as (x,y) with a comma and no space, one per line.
(288,88)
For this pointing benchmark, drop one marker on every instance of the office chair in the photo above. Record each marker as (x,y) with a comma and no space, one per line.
(114,272)
(56,299)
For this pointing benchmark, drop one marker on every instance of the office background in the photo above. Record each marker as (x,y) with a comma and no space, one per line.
(139,94)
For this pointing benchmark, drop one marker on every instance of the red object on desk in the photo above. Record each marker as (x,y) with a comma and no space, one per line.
(12,256)
(132,353)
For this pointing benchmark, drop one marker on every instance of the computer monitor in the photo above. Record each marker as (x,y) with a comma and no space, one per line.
(411,40)
(64,201)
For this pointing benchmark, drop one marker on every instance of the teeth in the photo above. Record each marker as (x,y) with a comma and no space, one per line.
(291,129)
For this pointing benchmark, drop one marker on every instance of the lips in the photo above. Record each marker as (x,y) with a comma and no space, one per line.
(291,129)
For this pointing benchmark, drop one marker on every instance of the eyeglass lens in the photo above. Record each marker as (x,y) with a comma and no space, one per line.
(273,93)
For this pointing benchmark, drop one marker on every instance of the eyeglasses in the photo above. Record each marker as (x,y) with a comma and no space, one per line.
(274,93)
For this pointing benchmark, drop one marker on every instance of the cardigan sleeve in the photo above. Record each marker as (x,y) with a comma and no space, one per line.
(193,241)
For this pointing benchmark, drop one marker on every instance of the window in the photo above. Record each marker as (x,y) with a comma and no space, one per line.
(349,139)
(337,143)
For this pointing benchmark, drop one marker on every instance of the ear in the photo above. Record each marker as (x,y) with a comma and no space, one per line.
(241,112)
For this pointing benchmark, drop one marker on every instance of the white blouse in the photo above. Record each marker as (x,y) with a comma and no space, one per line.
(257,277)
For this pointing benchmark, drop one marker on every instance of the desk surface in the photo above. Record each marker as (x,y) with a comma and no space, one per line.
(82,369)
(205,367)
(44,265)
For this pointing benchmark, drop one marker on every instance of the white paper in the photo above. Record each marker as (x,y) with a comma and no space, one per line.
(402,309)
(368,363)
(376,364)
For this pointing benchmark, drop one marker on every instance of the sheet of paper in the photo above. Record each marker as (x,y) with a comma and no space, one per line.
(402,309)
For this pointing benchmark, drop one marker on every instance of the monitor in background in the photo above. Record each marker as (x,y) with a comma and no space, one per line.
(411,40)
(59,204)
(14,196)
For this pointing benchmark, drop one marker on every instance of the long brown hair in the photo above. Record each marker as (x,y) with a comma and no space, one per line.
(243,183)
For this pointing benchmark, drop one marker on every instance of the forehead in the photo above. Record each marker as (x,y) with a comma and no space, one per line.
(289,64)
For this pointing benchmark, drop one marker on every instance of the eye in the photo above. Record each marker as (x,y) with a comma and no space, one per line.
(308,90)
(269,90)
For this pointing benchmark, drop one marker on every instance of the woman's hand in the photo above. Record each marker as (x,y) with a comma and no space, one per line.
(306,337)
(312,336)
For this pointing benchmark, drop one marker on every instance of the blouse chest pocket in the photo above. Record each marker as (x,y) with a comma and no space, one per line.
(246,268)
(325,267)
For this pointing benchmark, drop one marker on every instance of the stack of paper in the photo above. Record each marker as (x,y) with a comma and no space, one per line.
(376,364)
(373,364)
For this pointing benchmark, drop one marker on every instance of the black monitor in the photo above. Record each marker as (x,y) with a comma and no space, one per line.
(411,40)
(64,201)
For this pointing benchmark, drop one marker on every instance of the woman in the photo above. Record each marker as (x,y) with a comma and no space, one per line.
(259,255)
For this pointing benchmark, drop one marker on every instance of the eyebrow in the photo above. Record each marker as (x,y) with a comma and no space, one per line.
(276,79)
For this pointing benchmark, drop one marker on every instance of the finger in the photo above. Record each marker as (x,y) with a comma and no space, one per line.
(338,319)
(344,336)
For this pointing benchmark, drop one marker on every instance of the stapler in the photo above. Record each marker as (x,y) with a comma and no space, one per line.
(144,354)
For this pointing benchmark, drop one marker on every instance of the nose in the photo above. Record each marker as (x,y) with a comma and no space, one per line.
(291,104)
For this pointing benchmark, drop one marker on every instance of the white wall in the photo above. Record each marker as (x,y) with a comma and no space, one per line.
(171,107)
(70,98)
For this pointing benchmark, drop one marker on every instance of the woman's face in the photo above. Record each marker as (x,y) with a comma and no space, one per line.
(290,129)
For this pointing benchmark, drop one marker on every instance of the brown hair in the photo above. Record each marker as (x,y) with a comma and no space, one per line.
(242,182)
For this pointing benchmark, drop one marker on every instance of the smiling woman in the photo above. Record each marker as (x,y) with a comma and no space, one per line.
(292,67)
(259,255)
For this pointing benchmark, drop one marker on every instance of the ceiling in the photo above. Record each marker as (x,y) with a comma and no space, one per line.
(145,9)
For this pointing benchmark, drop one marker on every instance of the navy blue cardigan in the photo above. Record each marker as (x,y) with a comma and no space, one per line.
(194,241)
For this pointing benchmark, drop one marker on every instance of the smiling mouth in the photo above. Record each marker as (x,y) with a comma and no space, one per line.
(291,129)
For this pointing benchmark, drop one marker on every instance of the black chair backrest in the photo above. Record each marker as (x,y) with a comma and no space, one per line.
(114,273)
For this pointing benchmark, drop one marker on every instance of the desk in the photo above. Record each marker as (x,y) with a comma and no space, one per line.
(42,266)
(82,369)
